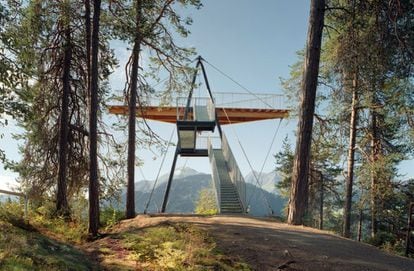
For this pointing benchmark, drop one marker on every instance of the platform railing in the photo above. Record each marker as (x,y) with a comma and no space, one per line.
(197,105)
(235,174)
(221,99)
(201,105)
(246,100)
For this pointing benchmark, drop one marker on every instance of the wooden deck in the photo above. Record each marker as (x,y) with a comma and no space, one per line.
(235,115)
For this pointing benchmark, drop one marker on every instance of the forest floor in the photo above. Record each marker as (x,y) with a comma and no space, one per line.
(264,244)
(188,242)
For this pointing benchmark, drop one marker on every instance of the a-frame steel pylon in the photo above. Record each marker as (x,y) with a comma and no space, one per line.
(195,119)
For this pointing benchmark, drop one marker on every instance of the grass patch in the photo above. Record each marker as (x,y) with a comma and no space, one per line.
(67,230)
(176,247)
(46,243)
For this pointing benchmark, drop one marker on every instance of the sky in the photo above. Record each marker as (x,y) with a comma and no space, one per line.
(254,42)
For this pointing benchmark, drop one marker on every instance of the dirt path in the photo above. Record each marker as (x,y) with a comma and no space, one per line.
(270,245)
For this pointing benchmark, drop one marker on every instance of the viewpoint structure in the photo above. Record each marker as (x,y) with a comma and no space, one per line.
(197,116)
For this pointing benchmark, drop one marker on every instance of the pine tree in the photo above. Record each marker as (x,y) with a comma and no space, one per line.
(11,74)
(93,123)
(41,54)
(150,33)
(62,206)
(284,165)
(298,196)
(357,87)
(206,203)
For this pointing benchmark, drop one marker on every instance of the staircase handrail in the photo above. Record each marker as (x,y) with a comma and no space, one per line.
(215,175)
(234,171)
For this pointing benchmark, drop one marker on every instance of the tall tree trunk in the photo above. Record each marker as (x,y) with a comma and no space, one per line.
(374,181)
(62,207)
(351,158)
(130,200)
(298,195)
(360,219)
(321,203)
(93,123)
(88,46)
(352,128)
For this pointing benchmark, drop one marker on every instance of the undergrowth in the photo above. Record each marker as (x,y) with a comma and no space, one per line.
(75,228)
(45,242)
(22,247)
(110,216)
(70,230)
(176,247)
(387,242)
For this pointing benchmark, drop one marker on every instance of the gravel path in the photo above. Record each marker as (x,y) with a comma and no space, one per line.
(270,245)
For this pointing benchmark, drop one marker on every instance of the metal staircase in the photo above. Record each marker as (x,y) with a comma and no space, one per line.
(196,115)
(229,201)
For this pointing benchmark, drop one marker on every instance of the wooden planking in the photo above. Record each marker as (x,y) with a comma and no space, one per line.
(235,115)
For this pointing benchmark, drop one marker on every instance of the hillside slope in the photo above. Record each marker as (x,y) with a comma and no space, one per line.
(270,245)
(189,242)
(23,247)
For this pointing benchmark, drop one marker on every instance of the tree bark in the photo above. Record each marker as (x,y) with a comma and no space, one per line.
(360,219)
(93,122)
(298,195)
(321,203)
(62,207)
(88,46)
(374,156)
(130,200)
(351,159)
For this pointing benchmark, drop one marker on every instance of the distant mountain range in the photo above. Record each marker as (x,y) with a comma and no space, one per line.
(267,181)
(188,183)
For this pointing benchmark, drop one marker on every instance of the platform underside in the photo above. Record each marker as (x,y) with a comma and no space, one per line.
(225,115)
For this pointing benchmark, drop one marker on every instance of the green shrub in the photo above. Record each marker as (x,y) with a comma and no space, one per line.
(13,212)
(177,247)
(380,239)
(110,216)
(28,250)
(388,242)
(66,229)
(206,204)
(395,247)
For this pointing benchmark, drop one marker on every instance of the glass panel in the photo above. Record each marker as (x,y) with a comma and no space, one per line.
(201,113)
(187,139)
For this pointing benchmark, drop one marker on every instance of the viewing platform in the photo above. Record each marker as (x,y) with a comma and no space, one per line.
(231,108)
(196,116)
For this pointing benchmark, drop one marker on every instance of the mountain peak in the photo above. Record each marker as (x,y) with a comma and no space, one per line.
(185,171)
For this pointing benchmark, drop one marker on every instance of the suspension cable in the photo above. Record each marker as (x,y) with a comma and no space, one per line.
(237,83)
(238,139)
(248,161)
(265,160)
(159,171)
